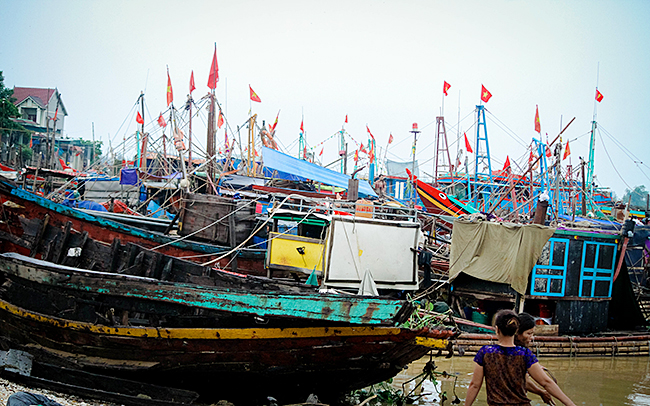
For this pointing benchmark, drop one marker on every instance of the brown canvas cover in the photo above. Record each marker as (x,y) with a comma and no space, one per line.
(497,252)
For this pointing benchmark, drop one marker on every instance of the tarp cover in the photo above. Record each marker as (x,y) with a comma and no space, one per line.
(279,165)
(497,252)
(395,168)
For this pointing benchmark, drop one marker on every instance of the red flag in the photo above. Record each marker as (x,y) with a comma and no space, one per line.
(371,136)
(485,94)
(220,120)
(254,96)
(363,149)
(302,128)
(139,119)
(548,150)
(446,86)
(192,87)
(468,147)
(390,139)
(161,121)
(531,158)
(506,164)
(276,122)
(214,71)
(170,93)
(321,151)
(538,125)
(57,112)
(599,96)
(304,152)
(567,151)
(346,118)
(356,156)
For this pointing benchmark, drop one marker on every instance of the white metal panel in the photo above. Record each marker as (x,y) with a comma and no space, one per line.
(379,246)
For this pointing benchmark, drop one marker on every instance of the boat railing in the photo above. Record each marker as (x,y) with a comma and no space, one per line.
(361,208)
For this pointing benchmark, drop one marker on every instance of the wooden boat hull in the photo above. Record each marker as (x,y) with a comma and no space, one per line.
(18,204)
(62,285)
(286,363)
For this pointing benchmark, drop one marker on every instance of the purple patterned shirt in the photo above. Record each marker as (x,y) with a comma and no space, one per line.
(505,370)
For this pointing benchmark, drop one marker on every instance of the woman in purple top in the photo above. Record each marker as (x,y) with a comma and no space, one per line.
(504,367)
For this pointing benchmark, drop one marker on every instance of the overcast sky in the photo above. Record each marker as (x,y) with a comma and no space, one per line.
(381,63)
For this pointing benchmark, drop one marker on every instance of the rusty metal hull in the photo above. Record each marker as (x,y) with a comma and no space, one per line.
(18,203)
(287,363)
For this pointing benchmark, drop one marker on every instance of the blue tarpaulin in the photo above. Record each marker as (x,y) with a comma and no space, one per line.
(128,177)
(279,165)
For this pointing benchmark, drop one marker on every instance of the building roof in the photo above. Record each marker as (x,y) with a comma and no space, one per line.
(39,95)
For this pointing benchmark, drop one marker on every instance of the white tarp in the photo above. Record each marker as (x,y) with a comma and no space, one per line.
(381,248)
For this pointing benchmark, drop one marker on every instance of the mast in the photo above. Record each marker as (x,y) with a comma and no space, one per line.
(143,149)
(592,152)
(411,179)
(442,151)
(211,145)
(251,145)
(482,156)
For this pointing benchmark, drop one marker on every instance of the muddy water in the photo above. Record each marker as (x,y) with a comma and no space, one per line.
(587,381)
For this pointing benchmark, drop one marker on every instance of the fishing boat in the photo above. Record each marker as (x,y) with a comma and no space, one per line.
(100,297)
(188,336)
(27,215)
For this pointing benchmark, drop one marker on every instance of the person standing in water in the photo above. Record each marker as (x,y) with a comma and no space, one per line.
(504,368)
(522,339)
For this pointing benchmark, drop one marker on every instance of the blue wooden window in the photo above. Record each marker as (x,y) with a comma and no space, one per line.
(548,277)
(598,259)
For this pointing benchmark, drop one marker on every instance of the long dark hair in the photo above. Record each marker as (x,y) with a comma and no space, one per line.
(507,322)
(526,322)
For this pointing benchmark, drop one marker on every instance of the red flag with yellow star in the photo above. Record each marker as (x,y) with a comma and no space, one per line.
(538,125)
(254,96)
(567,151)
(485,94)
(445,87)
(170,93)
(599,96)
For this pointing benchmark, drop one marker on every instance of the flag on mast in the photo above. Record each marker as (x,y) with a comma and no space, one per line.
(192,86)
(567,151)
(214,71)
(599,96)
(506,164)
(445,87)
(390,139)
(468,147)
(346,119)
(371,136)
(161,121)
(538,125)
(138,119)
(272,128)
(302,128)
(170,93)
(485,94)
(220,120)
(254,96)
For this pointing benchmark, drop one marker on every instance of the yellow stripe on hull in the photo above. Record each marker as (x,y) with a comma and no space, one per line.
(440,206)
(203,333)
(431,342)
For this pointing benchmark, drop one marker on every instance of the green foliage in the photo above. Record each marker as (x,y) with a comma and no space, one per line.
(637,197)
(7,108)
(26,152)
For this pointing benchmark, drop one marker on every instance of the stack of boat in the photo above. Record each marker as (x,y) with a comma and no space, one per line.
(88,294)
